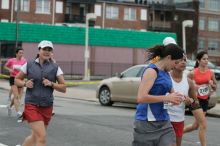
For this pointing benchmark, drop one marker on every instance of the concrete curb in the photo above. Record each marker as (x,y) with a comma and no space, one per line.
(213,115)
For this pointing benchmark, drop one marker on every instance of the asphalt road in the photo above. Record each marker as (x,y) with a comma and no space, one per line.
(83,123)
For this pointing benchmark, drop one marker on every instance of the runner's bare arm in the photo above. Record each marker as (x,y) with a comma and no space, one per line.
(213,82)
(8,69)
(19,79)
(190,75)
(60,85)
(192,90)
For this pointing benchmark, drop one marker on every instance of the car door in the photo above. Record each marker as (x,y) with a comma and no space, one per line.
(125,89)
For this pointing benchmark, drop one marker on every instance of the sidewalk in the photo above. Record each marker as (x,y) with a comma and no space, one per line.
(90,95)
(74,93)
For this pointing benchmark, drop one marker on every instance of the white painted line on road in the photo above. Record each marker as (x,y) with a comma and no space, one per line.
(2,106)
(2,144)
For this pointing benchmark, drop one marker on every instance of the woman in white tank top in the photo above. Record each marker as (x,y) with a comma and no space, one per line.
(186,87)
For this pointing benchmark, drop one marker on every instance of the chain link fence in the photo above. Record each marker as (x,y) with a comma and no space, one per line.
(75,70)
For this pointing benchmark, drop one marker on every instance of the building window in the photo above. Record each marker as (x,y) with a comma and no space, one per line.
(201,3)
(24,5)
(213,25)
(59,7)
(112,12)
(143,14)
(98,10)
(130,14)
(7,49)
(201,44)
(214,4)
(201,24)
(5,4)
(213,45)
(43,6)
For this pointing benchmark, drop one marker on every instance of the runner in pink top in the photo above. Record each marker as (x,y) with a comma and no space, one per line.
(13,65)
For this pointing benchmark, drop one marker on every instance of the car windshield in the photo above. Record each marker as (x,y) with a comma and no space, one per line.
(133,72)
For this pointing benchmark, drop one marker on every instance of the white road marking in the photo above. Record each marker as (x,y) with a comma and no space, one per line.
(2,144)
(3,106)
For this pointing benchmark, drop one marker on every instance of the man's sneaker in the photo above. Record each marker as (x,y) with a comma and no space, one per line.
(19,117)
(9,110)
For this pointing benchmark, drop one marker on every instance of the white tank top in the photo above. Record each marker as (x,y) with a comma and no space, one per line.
(177,112)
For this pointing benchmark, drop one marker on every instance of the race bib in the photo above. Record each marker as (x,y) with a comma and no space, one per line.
(203,90)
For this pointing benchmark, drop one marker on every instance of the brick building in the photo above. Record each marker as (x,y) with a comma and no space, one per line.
(143,15)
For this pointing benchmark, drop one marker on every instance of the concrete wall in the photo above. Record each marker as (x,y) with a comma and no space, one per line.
(104,61)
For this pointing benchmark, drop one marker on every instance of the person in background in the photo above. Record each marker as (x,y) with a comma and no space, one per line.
(43,76)
(13,65)
(152,125)
(206,83)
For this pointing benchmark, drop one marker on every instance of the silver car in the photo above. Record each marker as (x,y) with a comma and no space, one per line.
(124,87)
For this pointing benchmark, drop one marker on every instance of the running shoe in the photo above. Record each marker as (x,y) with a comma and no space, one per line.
(9,110)
(19,117)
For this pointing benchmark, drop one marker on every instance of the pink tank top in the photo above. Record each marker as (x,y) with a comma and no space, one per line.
(15,64)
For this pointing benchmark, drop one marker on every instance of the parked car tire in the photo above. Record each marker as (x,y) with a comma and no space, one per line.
(105,96)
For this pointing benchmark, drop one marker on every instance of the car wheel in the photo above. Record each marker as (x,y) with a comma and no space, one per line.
(105,96)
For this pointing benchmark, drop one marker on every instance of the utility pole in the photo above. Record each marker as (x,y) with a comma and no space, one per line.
(17,22)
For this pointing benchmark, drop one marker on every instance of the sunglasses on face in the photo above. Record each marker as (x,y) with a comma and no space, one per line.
(47,49)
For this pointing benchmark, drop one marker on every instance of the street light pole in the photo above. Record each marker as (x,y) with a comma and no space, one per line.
(89,16)
(17,22)
(185,23)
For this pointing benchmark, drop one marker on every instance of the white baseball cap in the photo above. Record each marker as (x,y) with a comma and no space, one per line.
(44,44)
(169,40)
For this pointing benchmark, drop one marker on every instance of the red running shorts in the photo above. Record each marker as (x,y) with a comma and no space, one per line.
(178,128)
(34,113)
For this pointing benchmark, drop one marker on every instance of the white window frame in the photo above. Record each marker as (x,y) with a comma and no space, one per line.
(59,7)
(202,4)
(201,24)
(213,45)
(42,9)
(25,5)
(213,25)
(112,12)
(98,10)
(201,44)
(214,5)
(5,4)
(143,14)
(130,14)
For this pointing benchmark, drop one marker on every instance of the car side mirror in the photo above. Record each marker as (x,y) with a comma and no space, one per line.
(119,75)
